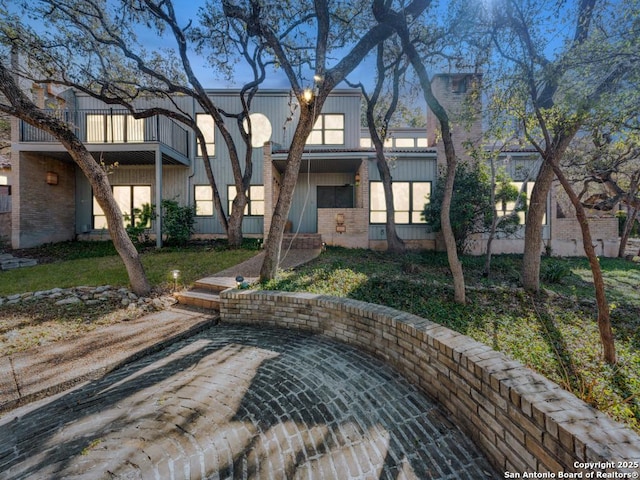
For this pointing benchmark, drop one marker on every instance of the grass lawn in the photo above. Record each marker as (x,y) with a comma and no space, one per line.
(554,332)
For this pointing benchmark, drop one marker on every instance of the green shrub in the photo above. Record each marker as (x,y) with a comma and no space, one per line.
(177,222)
(554,271)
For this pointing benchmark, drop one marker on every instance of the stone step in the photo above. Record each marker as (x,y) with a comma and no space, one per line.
(218,284)
(199,298)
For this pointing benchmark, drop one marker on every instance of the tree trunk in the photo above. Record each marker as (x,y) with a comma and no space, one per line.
(26,110)
(604,322)
(234,232)
(273,243)
(394,243)
(533,228)
(632,214)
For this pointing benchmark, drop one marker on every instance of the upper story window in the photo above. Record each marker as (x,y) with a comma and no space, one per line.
(206,125)
(114,128)
(328,130)
(398,142)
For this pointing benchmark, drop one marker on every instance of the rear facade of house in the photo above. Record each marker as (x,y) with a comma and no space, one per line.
(338,199)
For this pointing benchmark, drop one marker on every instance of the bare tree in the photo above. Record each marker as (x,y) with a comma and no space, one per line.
(20,106)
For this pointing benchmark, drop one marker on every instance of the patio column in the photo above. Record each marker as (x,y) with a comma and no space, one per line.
(158,198)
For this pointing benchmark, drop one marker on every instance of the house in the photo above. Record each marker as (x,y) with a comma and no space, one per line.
(338,199)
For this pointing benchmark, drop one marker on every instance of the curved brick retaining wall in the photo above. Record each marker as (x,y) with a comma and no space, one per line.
(524,422)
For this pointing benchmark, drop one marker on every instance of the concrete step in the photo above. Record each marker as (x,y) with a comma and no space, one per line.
(199,298)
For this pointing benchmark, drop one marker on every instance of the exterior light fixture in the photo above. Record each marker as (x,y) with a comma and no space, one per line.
(307,95)
(357,179)
(175,274)
(52,178)
(239,281)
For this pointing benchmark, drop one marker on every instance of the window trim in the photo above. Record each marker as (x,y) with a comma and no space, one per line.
(411,212)
(211,146)
(131,198)
(323,130)
(196,201)
(231,194)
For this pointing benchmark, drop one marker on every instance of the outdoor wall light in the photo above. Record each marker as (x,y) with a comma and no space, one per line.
(307,95)
(52,178)
(357,179)
(175,274)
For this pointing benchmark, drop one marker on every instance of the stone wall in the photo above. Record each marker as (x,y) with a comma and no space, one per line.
(522,421)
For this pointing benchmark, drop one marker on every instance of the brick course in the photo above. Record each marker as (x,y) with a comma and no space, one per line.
(523,421)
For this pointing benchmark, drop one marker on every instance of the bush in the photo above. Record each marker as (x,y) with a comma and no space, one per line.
(554,271)
(177,222)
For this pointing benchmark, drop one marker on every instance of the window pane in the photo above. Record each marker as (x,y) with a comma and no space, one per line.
(256,192)
(401,196)
(377,196)
(334,137)
(334,122)
(204,192)
(404,142)
(206,125)
(257,207)
(365,143)
(421,194)
(315,138)
(401,217)
(422,142)
(100,222)
(123,199)
(378,217)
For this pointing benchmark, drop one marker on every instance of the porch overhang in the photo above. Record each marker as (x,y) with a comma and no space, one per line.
(325,161)
(108,153)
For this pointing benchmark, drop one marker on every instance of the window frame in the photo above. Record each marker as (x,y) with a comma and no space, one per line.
(251,209)
(209,141)
(197,201)
(413,213)
(320,128)
(132,188)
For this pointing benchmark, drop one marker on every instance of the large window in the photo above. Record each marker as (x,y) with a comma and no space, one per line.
(255,203)
(328,130)
(129,198)
(203,197)
(114,128)
(409,200)
(206,125)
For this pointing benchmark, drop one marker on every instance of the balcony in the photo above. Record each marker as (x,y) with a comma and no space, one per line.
(115,133)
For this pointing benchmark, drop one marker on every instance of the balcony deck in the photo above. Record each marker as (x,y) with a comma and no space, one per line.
(114,136)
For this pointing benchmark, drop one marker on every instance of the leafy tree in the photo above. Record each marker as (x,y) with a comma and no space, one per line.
(19,105)
(472,208)
(556,63)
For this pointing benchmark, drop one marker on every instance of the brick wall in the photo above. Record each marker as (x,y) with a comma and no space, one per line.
(42,213)
(356,227)
(522,421)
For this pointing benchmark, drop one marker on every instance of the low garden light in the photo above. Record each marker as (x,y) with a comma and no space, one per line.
(175,274)
(239,281)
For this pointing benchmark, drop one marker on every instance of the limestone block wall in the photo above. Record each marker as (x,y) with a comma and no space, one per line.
(522,421)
